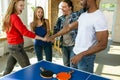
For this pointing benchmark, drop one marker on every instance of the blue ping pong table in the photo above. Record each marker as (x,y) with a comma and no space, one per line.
(32,72)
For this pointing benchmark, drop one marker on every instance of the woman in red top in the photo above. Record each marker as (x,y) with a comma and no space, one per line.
(15,31)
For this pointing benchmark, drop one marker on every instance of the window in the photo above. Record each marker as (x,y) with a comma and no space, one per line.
(2,11)
(108,6)
(109,11)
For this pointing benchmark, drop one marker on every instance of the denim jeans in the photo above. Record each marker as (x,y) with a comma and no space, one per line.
(17,54)
(85,64)
(66,50)
(39,52)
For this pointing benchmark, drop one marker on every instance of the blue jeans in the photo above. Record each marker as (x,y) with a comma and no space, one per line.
(66,50)
(39,52)
(85,64)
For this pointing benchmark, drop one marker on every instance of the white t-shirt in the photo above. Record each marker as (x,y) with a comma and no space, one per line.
(88,25)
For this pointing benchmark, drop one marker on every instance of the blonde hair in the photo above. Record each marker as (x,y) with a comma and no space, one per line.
(34,23)
(11,9)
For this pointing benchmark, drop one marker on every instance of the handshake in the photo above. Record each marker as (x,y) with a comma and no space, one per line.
(49,38)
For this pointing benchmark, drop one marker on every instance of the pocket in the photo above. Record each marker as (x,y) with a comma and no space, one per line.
(15,48)
(91,59)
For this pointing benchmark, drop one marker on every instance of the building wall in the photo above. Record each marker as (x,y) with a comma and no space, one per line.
(76,4)
(53,11)
(116,34)
(116,20)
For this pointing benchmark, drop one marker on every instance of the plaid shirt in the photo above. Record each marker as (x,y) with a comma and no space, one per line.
(61,20)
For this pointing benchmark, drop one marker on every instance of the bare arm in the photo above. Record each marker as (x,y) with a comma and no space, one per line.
(48,28)
(102,38)
(40,38)
(31,26)
(66,29)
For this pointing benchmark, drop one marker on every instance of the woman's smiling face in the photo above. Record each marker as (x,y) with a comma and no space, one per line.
(19,6)
(39,13)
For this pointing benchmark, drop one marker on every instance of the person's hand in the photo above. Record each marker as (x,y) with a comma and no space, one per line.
(50,39)
(44,39)
(41,38)
(75,59)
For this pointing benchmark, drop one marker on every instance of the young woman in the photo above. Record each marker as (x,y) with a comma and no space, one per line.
(15,31)
(40,26)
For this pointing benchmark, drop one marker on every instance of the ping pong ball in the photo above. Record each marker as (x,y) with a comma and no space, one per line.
(54,75)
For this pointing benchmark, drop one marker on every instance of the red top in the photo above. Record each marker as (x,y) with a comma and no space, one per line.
(17,31)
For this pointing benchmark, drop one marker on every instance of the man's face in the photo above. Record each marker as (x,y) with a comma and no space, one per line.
(65,8)
(86,3)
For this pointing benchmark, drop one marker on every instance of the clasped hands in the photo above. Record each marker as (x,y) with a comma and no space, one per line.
(49,39)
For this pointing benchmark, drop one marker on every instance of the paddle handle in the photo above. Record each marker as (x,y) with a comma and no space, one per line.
(70,72)
(42,69)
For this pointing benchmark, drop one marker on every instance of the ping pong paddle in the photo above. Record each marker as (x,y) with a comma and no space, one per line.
(64,75)
(46,73)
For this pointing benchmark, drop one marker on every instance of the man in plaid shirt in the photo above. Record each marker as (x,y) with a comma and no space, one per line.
(67,41)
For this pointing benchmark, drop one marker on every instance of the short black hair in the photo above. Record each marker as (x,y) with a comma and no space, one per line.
(70,4)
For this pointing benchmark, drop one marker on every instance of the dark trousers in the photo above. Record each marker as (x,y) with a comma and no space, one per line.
(66,50)
(17,54)
(39,52)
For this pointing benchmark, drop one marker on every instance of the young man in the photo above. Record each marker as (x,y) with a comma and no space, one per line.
(67,41)
(92,36)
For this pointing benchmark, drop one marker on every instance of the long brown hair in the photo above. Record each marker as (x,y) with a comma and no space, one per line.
(34,23)
(11,9)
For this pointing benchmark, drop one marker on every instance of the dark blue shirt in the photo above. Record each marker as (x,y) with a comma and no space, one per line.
(41,31)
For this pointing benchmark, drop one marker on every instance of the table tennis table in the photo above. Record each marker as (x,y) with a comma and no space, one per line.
(33,71)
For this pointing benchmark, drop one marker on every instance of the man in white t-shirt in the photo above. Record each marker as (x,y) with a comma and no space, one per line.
(92,36)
